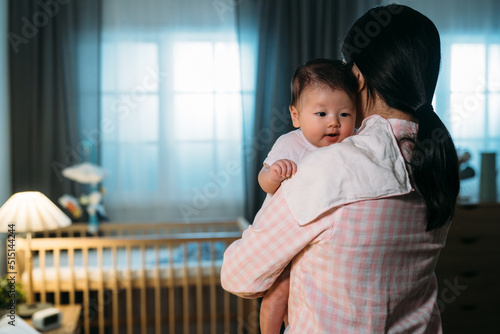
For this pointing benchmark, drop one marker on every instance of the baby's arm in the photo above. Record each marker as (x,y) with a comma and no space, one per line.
(270,177)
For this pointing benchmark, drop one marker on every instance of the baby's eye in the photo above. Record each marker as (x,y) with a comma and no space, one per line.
(321,113)
(345,114)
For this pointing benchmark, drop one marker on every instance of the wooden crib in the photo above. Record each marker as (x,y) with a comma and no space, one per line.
(139,278)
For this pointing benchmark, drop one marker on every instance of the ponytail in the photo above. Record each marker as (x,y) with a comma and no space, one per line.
(434,167)
(400,63)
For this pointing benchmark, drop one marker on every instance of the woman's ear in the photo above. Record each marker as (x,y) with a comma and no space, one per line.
(359,77)
(294,113)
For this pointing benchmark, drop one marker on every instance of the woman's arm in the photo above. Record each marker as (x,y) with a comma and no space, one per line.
(252,263)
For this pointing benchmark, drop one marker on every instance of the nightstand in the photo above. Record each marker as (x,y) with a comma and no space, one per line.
(468,271)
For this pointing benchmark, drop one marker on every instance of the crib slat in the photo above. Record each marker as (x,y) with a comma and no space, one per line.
(115,290)
(28,260)
(171,300)
(213,295)
(57,299)
(86,297)
(144,314)
(185,289)
(199,297)
(129,290)
(157,291)
(227,309)
(254,329)
(43,296)
(100,291)
(240,316)
(71,263)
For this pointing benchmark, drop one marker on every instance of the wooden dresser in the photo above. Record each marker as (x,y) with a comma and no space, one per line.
(468,271)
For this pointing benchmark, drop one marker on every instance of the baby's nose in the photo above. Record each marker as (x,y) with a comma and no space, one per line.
(333,121)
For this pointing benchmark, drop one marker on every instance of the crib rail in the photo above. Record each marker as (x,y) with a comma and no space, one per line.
(133,240)
(140,228)
(173,297)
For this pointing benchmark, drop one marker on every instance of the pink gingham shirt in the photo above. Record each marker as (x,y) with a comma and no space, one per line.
(365,265)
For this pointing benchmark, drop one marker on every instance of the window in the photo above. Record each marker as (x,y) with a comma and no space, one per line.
(171,125)
(130,117)
(473,99)
(207,111)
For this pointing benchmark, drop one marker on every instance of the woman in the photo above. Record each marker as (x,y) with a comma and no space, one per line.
(363,221)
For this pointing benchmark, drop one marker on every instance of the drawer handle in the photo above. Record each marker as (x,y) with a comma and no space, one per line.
(468,308)
(469,274)
(469,240)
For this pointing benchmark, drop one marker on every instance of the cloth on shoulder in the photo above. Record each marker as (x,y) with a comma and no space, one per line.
(367,165)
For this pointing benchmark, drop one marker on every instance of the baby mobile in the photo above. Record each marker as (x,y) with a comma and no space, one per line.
(86,173)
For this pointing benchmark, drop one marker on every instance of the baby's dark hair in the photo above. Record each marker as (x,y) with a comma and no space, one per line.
(323,72)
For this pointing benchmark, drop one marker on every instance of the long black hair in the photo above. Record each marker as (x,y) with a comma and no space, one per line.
(397,50)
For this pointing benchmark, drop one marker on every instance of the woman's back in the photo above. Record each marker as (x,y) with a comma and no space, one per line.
(375,270)
(374,267)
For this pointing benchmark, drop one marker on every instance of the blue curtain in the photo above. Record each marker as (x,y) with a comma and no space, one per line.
(52,52)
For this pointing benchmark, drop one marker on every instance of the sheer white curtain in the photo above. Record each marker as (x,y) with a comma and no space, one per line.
(468,92)
(171,111)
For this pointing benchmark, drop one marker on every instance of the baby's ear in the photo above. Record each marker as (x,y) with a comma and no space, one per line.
(294,113)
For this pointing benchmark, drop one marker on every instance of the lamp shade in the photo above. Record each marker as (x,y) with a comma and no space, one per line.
(31,211)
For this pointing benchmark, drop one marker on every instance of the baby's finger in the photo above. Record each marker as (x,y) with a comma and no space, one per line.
(277,168)
(283,168)
(289,168)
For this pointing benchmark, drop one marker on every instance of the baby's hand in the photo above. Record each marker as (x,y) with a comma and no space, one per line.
(283,169)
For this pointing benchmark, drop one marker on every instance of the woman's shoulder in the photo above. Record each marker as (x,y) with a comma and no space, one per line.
(378,124)
(402,128)
(368,165)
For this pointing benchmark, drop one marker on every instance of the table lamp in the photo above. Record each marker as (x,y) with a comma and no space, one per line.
(31,211)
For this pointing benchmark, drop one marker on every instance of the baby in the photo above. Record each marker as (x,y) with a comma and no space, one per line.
(323,108)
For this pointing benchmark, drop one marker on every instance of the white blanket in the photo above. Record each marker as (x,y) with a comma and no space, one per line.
(368,165)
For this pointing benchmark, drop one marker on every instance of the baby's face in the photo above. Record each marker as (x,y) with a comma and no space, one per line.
(326,116)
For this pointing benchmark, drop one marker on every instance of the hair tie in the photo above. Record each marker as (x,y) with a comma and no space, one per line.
(424,109)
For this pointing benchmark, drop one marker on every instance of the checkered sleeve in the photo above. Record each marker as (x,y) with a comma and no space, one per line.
(252,263)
